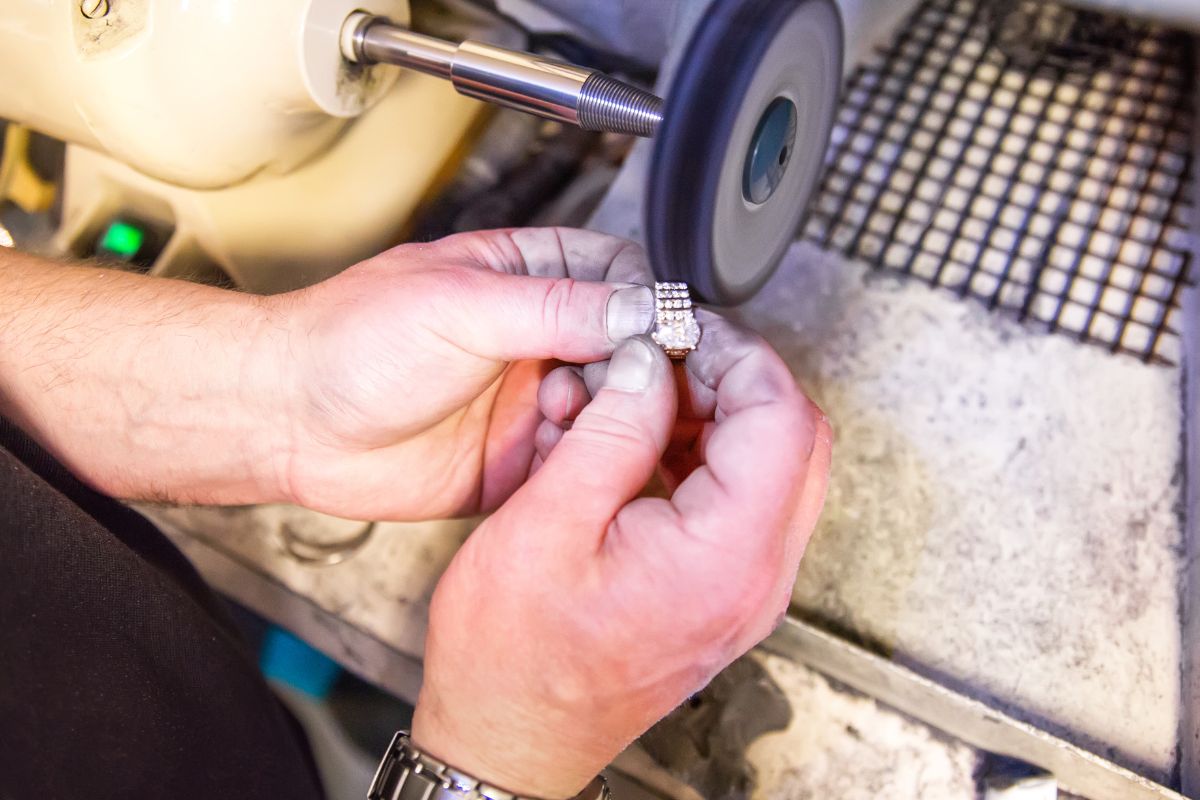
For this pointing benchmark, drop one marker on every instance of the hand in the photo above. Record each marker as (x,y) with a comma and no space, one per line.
(407,404)
(386,392)
(579,614)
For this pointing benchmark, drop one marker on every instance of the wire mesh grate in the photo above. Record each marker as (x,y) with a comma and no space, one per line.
(1028,155)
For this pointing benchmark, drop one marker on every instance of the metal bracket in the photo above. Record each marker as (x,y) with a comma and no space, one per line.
(962,717)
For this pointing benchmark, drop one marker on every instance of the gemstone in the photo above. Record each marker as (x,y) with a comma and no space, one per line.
(681,333)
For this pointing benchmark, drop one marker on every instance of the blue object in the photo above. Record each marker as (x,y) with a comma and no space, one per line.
(288,659)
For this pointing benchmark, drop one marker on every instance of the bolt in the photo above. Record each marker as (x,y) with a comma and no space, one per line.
(94,9)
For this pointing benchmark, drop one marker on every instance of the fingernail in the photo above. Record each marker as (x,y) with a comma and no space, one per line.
(630,312)
(631,367)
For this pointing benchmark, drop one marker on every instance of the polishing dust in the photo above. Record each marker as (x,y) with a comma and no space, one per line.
(1004,507)
(843,745)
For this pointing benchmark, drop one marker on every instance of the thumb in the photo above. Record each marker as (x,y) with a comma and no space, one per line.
(514,317)
(613,447)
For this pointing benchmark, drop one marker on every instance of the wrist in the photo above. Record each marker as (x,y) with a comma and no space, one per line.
(271,399)
(308,464)
(501,757)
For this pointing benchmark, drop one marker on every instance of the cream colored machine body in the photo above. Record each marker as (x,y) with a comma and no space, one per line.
(198,94)
(235,127)
(241,130)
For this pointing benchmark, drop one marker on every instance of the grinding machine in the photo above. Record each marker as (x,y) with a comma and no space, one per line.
(270,144)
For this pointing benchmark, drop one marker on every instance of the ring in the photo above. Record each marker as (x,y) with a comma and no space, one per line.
(322,554)
(675,330)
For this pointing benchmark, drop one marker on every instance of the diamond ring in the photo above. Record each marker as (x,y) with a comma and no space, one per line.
(676,330)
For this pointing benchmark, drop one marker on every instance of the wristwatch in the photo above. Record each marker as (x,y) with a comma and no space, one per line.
(406,773)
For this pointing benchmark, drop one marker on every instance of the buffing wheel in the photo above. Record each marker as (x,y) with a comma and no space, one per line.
(742,143)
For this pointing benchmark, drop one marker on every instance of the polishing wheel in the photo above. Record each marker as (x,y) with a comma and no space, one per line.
(742,143)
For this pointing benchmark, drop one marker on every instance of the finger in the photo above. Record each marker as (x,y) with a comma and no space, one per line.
(808,509)
(512,317)
(696,400)
(593,376)
(513,422)
(535,465)
(611,450)
(685,452)
(816,486)
(757,453)
(553,253)
(723,347)
(563,394)
(546,437)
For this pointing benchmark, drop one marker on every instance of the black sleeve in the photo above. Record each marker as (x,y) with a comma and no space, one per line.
(121,675)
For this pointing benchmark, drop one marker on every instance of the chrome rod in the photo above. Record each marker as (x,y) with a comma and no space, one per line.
(524,81)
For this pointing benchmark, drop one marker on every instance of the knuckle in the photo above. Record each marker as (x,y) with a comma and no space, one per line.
(722,624)
(609,436)
(557,303)
(729,335)
(629,262)
(747,604)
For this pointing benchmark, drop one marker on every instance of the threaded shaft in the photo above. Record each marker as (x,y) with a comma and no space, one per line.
(607,104)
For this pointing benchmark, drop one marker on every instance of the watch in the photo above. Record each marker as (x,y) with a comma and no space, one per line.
(407,773)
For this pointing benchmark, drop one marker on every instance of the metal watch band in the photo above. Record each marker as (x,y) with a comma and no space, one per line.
(407,773)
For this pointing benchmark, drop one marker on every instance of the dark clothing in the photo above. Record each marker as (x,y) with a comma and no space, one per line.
(121,675)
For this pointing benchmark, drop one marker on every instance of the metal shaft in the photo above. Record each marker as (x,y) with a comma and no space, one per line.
(551,89)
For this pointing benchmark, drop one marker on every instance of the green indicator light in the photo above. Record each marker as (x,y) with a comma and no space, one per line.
(123,240)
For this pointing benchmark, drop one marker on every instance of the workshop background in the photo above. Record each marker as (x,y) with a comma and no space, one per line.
(991,291)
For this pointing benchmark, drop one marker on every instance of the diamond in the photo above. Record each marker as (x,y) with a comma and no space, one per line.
(680,334)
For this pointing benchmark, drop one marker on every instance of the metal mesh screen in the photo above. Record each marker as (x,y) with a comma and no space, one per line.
(1027,155)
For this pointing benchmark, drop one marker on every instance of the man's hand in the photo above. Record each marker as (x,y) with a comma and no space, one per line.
(409,407)
(424,383)
(578,614)
(384,393)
